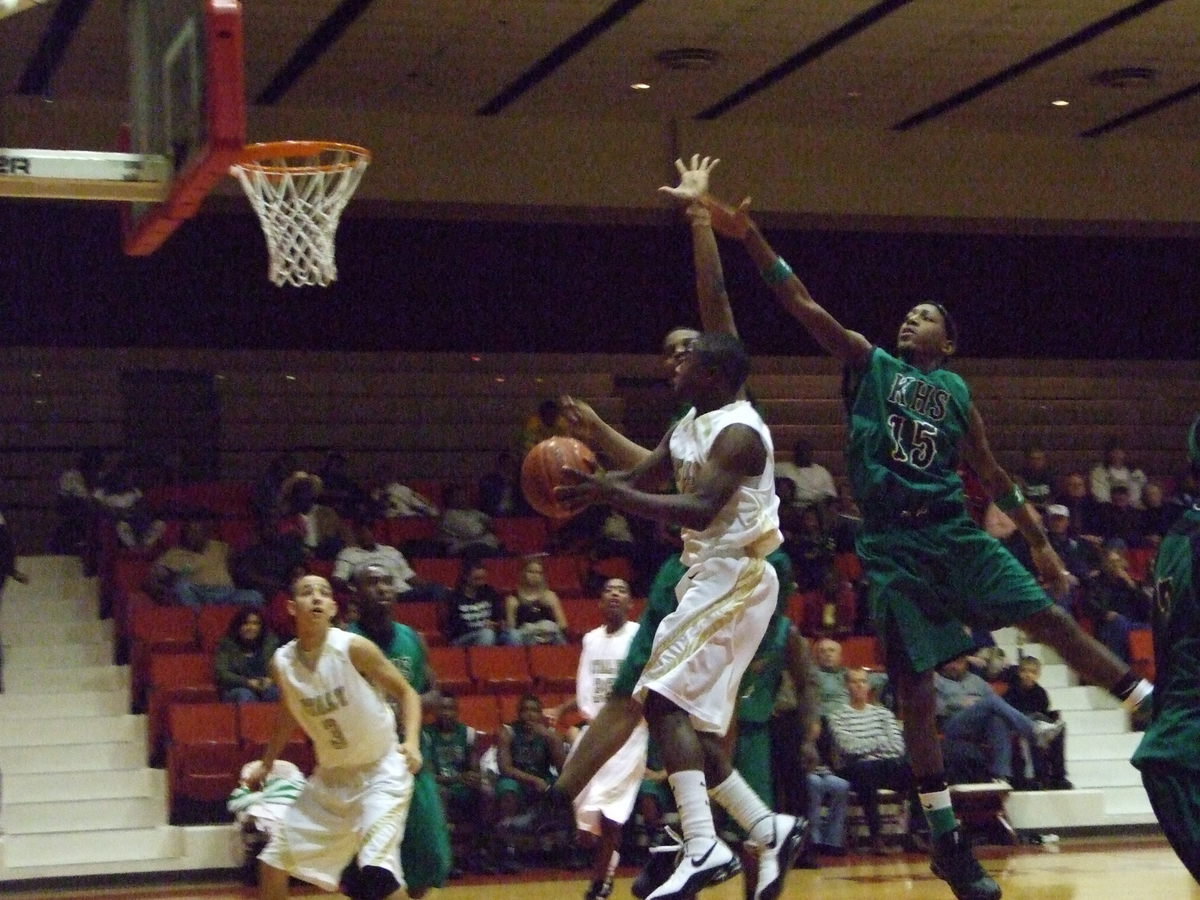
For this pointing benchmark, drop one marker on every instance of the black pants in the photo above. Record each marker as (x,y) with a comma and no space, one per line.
(867,776)
(1175,797)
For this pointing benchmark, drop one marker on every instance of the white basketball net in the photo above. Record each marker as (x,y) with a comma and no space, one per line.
(299,199)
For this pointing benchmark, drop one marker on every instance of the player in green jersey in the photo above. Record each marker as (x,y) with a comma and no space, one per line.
(931,571)
(1167,755)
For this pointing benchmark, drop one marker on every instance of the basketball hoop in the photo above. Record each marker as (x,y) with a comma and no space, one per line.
(299,189)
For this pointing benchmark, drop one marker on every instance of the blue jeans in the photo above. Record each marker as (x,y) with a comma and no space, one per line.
(197,595)
(480,637)
(247,695)
(1114,634)
(834,792)
(991,723)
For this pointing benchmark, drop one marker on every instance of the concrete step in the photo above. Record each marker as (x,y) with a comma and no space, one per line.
(1109,746)
(1121,801)
(1095,721)
(30,634)
(1082,697)
(55,706)
(75,730)
(1044,810)
(62,656)
(34,787)
(1044,653)
(1103,773)
(67,681)
(59,608)
(73,757)
(1058,677)
(106,814)
(65,848)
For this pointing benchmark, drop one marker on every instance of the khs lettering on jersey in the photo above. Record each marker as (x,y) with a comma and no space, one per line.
(323,704)
(920,396)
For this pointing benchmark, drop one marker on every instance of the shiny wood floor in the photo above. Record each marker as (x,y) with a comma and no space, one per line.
(1078,869)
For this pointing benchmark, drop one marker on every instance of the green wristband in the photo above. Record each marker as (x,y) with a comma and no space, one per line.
(1014,499)
(778,272)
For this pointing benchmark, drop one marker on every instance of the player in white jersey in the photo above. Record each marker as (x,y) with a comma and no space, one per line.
(721,454)
(605,804)
(354,807)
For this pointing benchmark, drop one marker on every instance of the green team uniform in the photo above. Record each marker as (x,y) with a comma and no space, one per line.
(930,569)
(756,703)
(661,602)
(1167,754)
(529,754)
(425,855)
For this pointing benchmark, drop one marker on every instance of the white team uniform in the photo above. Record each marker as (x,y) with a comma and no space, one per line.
(729,593)
(613,790)
(356,802)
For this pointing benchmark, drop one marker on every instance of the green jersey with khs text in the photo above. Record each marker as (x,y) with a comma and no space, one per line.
(1174,733)
(905,429)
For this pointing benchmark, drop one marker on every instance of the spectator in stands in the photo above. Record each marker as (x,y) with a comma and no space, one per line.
(364,550)
(1038,483)
(339,490)
(196,573)
(1114,471)
(266,502)
(1026,695)
(1117,601)
(272,563)
(454,751)
(833,690)
(474,609)
(534,615)
(814,484)
(1084,509)
(1073,553)
(1187,492)
(546,423)
(319,526)
(75,506)
(120,500)
(1120,522)
(395,500)
(870,749)
(242,662)
(969,710)
(465,531)
(1157,514)
(828,798)
(527,752)
(830,607)
(500,489)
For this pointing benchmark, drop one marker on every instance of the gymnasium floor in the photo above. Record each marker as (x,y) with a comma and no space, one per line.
(1141,868)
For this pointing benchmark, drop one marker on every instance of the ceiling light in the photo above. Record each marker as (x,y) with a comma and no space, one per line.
(1060,102)
(640,86)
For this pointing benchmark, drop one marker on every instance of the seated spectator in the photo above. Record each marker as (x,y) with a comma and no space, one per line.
(364,550)
(1118,603)
(1036,480)
(869,748)
(534,615)
(454,752)
(969,710)
(464,531)
(828,798)
(1113,471)
(1157,514)
(500,489)
(338,489)
(1084,511)
(1120,521)
(196,573)
(528,753)
(474,609)
(75,505)
(120,500)
(832,687)
(319,526)
(243,658)
(546,423)
(813,484)
(1073,554)
(396,500)
(1026,695)
(272,563)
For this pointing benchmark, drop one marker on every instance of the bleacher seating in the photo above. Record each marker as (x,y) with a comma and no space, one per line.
(450,664)
(175,678)
(499,670)
(554,668)
(204,753)
(256,723)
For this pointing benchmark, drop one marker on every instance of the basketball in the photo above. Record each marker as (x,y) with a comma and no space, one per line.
(542,469)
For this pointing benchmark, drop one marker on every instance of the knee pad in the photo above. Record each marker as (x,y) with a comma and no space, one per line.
(373,883)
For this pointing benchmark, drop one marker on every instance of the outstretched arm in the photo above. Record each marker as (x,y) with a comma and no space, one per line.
(1007,496)
(735,222)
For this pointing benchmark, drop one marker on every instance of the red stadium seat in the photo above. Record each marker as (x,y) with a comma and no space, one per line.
(203,753)
(862,650)
(564,575)
(439,570)
(554,668)
(583,614)
(1141,652)
(614,567)
(256,723)
(522,534)
(397,532)
(480,711)
(499,670)
(423,616)
(450,666)
(558,699)
(212,623)
(157,629)
(175,678)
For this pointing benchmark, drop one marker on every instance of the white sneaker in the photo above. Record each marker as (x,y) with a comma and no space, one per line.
(776,861)
(1044,733)
(694,873)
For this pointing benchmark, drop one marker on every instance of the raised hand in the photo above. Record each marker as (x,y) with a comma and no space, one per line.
(581,419)
(728,221)
(693,179)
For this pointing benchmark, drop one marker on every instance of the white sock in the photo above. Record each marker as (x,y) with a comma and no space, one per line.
(695,815)
(613,862)
(746,808)
(1140,693)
